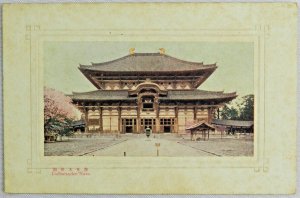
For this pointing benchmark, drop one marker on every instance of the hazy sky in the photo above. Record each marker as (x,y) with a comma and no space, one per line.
(234,60)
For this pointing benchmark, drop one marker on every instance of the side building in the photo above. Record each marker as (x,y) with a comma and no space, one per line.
(147,90)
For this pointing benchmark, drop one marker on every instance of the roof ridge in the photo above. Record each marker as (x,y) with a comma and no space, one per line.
(146,53)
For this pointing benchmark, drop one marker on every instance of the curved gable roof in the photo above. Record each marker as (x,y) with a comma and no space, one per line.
(147,62)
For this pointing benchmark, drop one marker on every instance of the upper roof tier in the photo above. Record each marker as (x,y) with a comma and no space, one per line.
(147,62)
(158,67)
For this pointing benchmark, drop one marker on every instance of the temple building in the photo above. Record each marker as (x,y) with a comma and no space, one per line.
(147,90)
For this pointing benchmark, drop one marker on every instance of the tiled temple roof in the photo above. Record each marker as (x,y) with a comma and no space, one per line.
(197,95)
(104,95)
(203,125)
(101,95)
(235,123)
(143,62)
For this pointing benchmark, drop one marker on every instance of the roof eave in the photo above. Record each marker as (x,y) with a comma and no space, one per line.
(227,98)
(200,69)
(209,72)
(83,71)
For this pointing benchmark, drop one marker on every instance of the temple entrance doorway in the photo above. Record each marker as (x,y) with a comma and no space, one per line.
(167,129)
(167,125)
(148,122)
(128,129)
(128,125)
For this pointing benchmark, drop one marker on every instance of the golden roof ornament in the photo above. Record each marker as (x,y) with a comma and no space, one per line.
(162,50)
(131,51)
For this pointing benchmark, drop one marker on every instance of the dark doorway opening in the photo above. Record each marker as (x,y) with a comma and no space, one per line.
(128,129)
(148,103)
(167,129)
(148,106)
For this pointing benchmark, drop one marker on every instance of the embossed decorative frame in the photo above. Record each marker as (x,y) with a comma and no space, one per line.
(35,38)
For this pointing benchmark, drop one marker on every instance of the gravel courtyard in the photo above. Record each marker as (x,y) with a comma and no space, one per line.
(138,145)
(79,146)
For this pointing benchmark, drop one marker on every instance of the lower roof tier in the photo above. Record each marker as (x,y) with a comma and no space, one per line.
(183,95)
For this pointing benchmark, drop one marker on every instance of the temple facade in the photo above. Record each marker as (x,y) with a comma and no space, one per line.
(147,90)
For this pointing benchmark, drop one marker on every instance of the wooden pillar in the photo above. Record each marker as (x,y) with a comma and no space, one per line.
(157,121)
(185,114)
(101,119)
(119,119)
(86,112)
(110,114)
(138,121)
(176,119)
(208,133)
(209,109)
(195,113)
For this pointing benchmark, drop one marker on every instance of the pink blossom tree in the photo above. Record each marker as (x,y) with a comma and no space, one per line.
(58,111)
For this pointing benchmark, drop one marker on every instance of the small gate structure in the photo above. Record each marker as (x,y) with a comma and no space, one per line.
(201,128)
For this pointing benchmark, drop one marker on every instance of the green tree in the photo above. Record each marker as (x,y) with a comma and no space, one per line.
(247,108)
(229,113)
(61,127)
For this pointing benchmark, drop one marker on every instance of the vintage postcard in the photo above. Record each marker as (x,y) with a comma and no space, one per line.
(150,98)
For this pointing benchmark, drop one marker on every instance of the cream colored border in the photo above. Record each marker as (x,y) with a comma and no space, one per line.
(272,29)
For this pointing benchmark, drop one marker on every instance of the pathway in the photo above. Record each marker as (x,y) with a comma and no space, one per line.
(142,146)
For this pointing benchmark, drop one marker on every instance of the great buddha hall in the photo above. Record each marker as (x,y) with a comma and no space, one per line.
(152,90)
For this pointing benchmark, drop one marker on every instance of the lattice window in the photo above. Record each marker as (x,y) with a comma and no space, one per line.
(129,121)
(167,121)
